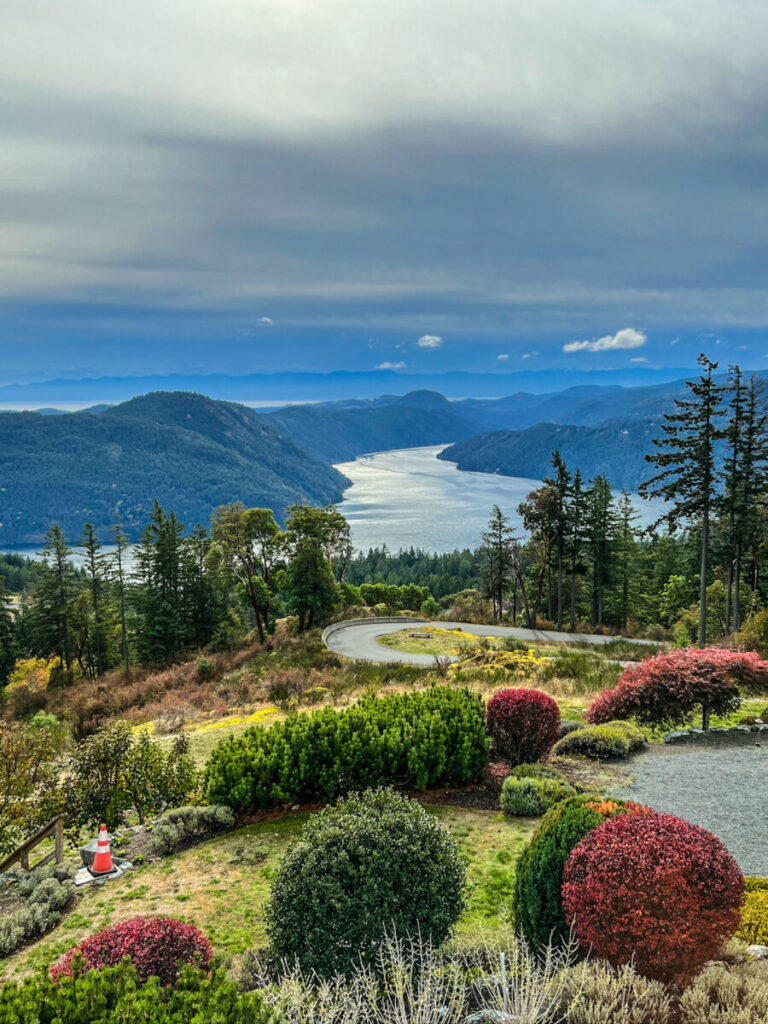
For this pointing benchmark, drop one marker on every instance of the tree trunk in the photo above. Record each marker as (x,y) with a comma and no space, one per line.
(559,588)
(703,579)
(736,584)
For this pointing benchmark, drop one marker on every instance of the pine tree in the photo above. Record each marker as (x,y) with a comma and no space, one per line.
(600,512)
(55,594)
(561,484)
(688,477)
(576,537)
(497,548)
(121,546)
(94,562)
(625,556)
(7,638)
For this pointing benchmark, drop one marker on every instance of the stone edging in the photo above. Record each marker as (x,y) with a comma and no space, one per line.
(700,735)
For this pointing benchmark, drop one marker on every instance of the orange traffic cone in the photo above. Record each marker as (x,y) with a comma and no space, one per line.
(102,861)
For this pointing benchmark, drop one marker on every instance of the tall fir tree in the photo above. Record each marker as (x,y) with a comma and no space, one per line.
(561,484)
(497,541)
(688,478)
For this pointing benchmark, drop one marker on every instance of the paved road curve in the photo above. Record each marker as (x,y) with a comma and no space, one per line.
(358,638)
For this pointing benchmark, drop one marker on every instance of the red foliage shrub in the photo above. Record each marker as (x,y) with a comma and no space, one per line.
(656,888)
(523,725)
(665,690)
(156,946)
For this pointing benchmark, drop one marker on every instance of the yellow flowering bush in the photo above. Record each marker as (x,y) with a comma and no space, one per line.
(754,915)
(499,665)
(32,672)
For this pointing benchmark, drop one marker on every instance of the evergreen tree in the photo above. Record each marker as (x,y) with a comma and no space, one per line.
(94,561)
(561,485)
(688,477)
(625,557)
(575,537)
(158,597)
(497,547)
(119,573)
(599,511)
(7,638)
(55,594)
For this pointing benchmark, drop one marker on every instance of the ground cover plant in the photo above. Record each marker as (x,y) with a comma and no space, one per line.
(612,740)
(38,900)
(412,739)
(665,691)
(532,797)
(372,864)
(654,890)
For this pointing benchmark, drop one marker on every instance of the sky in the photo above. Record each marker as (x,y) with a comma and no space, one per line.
(419,187)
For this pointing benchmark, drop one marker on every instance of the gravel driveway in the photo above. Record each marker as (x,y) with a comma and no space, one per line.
(724,790)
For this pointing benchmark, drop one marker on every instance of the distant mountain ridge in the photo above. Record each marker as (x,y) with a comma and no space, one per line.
(188,451)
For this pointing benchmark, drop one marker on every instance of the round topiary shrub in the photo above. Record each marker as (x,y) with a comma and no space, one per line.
(373,864)
(156,946)
(654,889)
(523,724)
(599,742)
(537,897)
(531,797)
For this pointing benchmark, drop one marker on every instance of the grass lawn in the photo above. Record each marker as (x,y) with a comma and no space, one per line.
(221,886)
(440,641)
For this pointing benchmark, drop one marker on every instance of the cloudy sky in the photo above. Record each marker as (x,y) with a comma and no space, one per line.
(258,185)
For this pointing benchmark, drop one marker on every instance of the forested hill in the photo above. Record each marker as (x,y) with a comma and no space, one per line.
(338,432)
(190,452)
(615,448)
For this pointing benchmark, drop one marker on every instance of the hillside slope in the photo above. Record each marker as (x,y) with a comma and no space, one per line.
(615,448)
(190,452)
(338,432)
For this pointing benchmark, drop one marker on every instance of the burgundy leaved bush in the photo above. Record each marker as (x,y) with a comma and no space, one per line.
(523,725)
(655,889)
(157,947)
(666,690)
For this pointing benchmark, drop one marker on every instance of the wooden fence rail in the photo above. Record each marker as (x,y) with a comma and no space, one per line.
(55,828)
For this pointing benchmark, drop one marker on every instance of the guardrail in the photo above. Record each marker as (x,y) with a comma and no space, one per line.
(55,828)
(372,621)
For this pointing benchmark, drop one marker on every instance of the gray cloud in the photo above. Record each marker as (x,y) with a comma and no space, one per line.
(510,170)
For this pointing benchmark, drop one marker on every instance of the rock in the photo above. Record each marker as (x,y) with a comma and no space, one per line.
(757,952)
(676,736)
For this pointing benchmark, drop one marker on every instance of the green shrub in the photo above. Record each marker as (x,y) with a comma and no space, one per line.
(537,897)
(530,798)
(538,770)
(374,863)
(205,669)
(46,891)
(186,825)
(616,739)
(412,739)
(754,916)
(116,996)
(570,725)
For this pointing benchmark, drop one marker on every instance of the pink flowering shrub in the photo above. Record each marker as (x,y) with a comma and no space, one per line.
(666,690)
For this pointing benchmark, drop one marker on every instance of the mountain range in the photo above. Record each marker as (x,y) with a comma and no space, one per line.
(188,451)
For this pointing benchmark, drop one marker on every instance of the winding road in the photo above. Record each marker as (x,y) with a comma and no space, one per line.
(358,638)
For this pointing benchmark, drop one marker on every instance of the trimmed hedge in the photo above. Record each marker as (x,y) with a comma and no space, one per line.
(616,739)
(523,724)
(116,995)
(531,797)
(410,740)
(47,891)
(654,890)
(753,927)
(537,897)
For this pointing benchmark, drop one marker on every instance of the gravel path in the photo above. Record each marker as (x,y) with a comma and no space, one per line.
(725,791)
(358,638)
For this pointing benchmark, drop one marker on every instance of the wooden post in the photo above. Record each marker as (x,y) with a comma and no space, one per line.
(59,837)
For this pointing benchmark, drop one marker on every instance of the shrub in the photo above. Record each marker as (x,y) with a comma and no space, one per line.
(375,863)
(205,669)
(754,917)
(47,891)
(617,739)
(530,798)
(538,771)
(665,691)
(186,825)
(523,724)
(594,993)
(653,888)
(725,996)
(156,946)
(412,739)
(114,770)
(115,995)
(569,725)
(537,897)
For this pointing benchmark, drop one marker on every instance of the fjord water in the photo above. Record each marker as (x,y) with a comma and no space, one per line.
(410,498)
